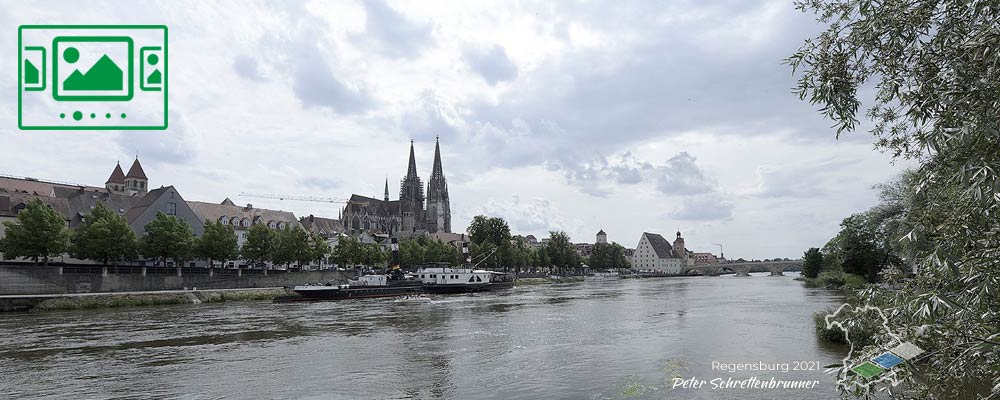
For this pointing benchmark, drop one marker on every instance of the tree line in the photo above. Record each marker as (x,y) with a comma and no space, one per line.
(40,233)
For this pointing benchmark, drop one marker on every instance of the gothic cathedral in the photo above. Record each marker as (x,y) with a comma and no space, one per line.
(408,214)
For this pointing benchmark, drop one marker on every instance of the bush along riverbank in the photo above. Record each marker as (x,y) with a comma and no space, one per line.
(834,280)
(113,300)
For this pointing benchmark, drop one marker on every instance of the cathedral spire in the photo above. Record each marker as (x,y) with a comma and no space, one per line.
(412,169)
(437,171)
(387,188)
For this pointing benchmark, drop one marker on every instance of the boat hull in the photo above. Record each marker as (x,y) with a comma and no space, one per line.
(467,288)
(335,293)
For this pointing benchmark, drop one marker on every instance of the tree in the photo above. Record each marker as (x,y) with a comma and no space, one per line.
(105,237)
(218,243)
(39,233)
(291,245)
(319,248)
(167,237)
(259,246)
(561,251)
(812,263)
(932,65)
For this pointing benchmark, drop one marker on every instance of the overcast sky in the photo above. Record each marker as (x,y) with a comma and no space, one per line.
(627,116)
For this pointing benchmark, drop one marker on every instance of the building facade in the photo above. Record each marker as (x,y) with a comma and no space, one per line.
(655,254)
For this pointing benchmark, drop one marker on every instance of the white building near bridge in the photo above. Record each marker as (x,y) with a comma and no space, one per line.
(655,254)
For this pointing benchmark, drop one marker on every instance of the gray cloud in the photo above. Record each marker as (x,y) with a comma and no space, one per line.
(491,64)
(315,85)
(694,72)
(680,176)
(704,208)
(177,145)
(392,33)
(803,180)
(249,68)
(323,183)
(535,215)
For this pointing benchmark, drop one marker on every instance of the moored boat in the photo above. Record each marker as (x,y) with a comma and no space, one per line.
(462,280)
(365,286)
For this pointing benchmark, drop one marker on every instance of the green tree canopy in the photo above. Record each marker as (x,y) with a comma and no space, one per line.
(561,251)
(167,237)
(105,237)
(218,243)
(812,262)
(259,246)
(291,245)
(39,233)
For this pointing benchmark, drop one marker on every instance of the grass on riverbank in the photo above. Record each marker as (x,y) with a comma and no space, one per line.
(112,300)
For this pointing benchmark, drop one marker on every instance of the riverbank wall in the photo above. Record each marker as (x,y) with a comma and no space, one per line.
(29,280)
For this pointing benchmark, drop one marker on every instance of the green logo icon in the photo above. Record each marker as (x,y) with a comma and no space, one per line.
(92,77)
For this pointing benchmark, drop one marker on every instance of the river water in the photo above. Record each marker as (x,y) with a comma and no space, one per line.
(592,340)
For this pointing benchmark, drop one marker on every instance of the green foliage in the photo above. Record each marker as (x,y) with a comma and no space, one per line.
(167,237)
(218,243)
(39,233)
(259,246)
(608,256)
(812,263)
(349,252)
(933,67)
(561,251)
(106,237)
(292,245)
(318,247)
(424,249)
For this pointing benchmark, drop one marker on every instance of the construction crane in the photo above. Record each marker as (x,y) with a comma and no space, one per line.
(316,199)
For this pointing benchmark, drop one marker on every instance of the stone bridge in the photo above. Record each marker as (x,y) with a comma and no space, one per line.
(777,268)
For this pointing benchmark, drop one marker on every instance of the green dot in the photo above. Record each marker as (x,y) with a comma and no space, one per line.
(62,115)
(108,115)
(77,115)
(153,59)
(71,54)
(123,115)
(92,115)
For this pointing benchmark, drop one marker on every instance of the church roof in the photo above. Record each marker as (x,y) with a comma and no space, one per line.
(117,176)
(136,170)
(323,226)
(82,201)
(660,245)
(601,232)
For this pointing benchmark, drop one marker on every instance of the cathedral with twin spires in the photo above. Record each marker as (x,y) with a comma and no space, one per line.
(413,212)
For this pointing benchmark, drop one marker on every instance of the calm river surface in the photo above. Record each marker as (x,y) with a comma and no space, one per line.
(592,340)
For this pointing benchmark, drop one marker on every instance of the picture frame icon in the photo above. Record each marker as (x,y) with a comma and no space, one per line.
(92,77)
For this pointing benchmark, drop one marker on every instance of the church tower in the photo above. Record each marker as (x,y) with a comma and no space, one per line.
(438,204)
(411,197)
(136,183)
(116,183)
(387,189)
(679,249)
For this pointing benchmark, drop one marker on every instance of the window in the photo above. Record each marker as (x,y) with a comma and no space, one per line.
(478,279)
(142,184)
(171,208)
